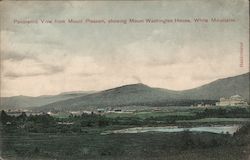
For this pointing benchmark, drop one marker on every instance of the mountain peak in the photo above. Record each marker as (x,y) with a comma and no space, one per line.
(136,85)
(129,88)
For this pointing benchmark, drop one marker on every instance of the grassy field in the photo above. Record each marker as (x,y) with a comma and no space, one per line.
(42,138)
(118,146)
(148,114)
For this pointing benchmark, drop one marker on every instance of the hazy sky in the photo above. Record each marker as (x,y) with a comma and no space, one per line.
(42,58)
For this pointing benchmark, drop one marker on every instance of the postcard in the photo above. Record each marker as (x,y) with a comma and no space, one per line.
(124,80)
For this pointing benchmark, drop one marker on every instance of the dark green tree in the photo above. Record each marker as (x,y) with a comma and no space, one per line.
(4,117)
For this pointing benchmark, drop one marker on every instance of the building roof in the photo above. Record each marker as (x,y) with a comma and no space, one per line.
(236,96)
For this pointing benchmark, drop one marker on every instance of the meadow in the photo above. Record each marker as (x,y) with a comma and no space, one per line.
(80,137)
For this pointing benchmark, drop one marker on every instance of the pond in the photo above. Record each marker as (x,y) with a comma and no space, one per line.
(211,129)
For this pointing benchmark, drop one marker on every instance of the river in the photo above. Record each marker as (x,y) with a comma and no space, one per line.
(211,129)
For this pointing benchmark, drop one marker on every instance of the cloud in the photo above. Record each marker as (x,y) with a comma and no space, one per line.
(18,75)
(29,68)
(13,56)
(53,69)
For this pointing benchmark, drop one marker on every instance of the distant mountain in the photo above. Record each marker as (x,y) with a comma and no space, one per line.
(140,94)
(221,88)
(125,95)
(135,94)
(26,101)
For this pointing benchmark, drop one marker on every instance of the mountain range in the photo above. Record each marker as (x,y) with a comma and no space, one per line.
(19,102)
(135,94)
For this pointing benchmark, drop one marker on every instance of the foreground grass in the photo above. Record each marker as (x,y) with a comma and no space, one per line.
(42,138)
(92,145)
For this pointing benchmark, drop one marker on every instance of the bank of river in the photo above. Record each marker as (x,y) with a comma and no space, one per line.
(229,129)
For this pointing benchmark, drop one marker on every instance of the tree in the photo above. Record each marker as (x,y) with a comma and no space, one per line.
(5,117)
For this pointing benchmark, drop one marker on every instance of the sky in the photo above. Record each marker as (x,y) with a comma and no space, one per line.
(50,58)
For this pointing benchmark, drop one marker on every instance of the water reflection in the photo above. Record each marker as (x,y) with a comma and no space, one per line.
(212,129)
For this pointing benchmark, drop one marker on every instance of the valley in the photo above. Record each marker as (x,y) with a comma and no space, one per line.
(130,122)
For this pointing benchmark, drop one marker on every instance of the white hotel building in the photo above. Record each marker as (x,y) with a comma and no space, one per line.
(235,100)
